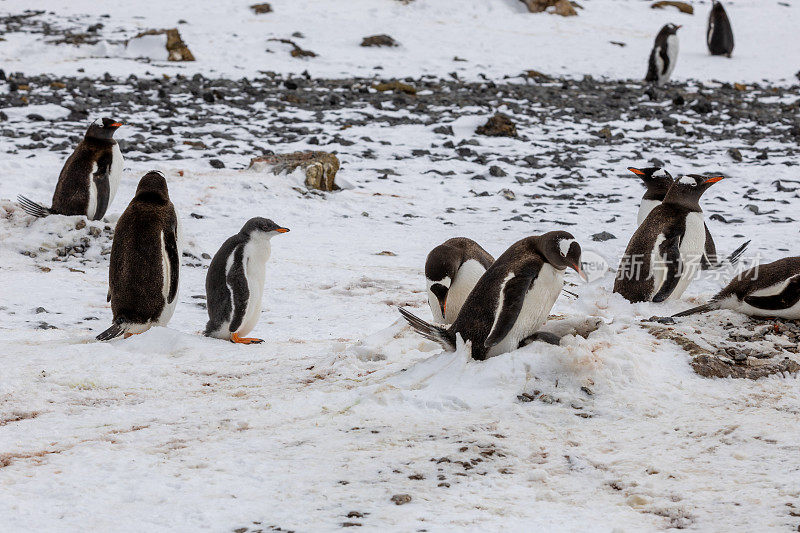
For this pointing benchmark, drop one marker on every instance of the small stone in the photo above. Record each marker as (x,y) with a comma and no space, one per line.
(401,499)
(683,7)
(603,236)
(443,130)
(395,86)
(216,163)
(387,253)
(499,125)
(497,172)
(735,154)
(260,9)
(508,194)
(378,40)
(80,224)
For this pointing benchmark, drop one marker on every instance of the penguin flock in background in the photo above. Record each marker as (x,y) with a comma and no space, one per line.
(664,55)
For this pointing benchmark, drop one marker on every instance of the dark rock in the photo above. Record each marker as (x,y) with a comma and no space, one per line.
(401,499)
(735,154)
(260,9)
(443,130)
(378,40)
(216,163)
(702,107)
(500,125)
(603,236)
(497,172)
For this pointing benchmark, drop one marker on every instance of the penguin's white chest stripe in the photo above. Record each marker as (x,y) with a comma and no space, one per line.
(672,54)
(91,208)
(166,272)
(255,255)
(465,280)
(644,209)
(539,300)
(115,175)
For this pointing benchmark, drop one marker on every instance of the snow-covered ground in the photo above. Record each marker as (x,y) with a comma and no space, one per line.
(343,406)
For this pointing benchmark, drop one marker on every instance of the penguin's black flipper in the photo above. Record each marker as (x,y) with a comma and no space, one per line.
(652,73)
(710,306)
(671,254)
(237,284)
(171,245)
(429,331)
(103,184)
(737,254)
(709,259)
(32,208)
(785,299)
(114,331)
(511,299)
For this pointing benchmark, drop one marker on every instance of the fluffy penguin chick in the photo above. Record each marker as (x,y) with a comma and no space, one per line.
(665,252)
(235,281)
(512,300)
(771,290)
(451,271)
(144,270)
(90,177)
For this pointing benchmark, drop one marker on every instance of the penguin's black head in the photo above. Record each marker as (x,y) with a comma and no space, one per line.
(687,190)
(657,180)
(671,29)
(440,268)
(561,250)
(262,225)
(152,188)
(103,128)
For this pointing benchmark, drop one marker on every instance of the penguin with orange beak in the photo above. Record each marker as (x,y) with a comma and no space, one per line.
(90,177)
(666,251)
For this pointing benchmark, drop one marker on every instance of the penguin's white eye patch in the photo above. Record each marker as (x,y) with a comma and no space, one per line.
(98,122)
(688,180)
(660,173)
(563,246)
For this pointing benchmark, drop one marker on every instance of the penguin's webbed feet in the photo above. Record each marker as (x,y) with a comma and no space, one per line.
(235,338)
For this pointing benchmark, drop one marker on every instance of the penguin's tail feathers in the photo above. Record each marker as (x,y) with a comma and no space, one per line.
(737,253)
(429,331)
(32,208)
(710,306)
(116,329)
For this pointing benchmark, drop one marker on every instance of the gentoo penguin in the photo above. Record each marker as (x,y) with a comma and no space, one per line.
(664,55)
(719,35)
(771,290)
(235,281)
(90,177)
(658,181)
(665,252)
(451,271)
(512,300)
(145,261)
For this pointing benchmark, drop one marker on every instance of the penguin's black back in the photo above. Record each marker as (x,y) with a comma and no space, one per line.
(136,270)
(474,322)
(218,297)
(71,196)
(760,277)
(719,35)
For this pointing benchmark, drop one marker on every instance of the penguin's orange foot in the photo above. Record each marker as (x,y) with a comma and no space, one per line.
(235,338)
(127,335)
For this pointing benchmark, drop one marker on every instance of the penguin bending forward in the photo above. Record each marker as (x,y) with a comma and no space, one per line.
(771,290)
(145,264)
(658,181)
(719,35)
(451,271)
(90,177)
(512,300)
(665,252)
(664,55)
(235,281)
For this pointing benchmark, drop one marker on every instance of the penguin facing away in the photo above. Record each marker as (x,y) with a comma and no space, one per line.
(90,177)
(658,181)
(235,281)
(664,55)
(451,271)
(144,270)
(719,35)
(770,290)
(512,300)
(665,252)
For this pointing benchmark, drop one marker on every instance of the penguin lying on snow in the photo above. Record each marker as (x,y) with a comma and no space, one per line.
(145,264)
(235,281)
(658,181)
(719,35)
(664,55)
(90,177)
(512,300)
(771,290)
(451,270)
(665,252)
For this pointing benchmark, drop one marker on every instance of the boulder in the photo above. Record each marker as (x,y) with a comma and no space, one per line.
(499,125)
(320,168)
(160,45)
(683,7)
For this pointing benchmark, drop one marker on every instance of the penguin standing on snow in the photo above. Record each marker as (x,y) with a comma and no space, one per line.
(235,281)
(719,35)
(145,264)
(90,177)
(664,55)
(451,271)
(512,300)
(771,290)
(664,254)
(658,181)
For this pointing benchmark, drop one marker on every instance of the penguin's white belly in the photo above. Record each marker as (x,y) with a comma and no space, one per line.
(644,209)
(464,281)
(91,207)
(166,271)
(691,250)
(255,258)
(536,307)
(792,313)
(115,174)
(672,54)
